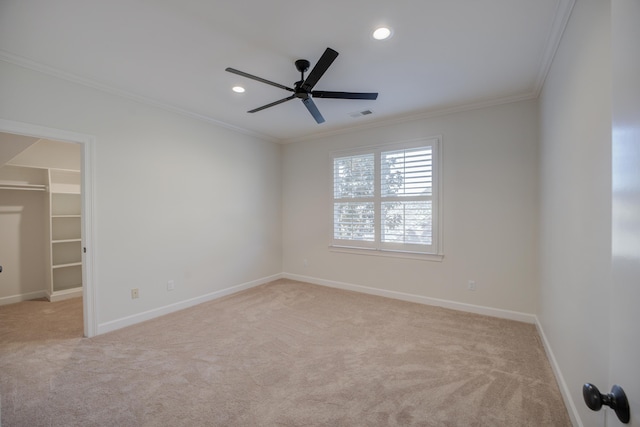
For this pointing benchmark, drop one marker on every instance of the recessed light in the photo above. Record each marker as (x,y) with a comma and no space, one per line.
(382,33)
(238,89)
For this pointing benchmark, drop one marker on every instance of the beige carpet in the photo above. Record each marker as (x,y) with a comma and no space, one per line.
(282,354)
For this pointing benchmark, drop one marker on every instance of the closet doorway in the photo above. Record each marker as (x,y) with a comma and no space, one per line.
(45,210)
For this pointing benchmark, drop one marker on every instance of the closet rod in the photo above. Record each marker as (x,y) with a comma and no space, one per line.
(23,187)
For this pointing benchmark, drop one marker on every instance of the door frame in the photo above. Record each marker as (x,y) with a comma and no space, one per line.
(87,143)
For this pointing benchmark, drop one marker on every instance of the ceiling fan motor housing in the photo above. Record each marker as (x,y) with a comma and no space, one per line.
(302,65)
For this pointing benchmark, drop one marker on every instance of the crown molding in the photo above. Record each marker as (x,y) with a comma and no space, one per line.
(437,112)
(23,62)
(561,18)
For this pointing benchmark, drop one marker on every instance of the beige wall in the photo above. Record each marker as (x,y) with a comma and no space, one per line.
(489,210)
(575,220)
(23,242)
(175,198)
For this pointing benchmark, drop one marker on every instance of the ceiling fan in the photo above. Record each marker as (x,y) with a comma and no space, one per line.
(303,88)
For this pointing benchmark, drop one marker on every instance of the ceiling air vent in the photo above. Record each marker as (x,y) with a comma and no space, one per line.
(360,113)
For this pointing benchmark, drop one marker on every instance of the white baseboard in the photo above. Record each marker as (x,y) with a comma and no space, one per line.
(471,308)
(460,306)
(161,311)
(22,297)
(562,384)
(63,295)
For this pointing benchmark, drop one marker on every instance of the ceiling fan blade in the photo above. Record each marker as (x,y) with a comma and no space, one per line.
(311,106)
(272,104)
(320,68)
(344,95)
(260,79)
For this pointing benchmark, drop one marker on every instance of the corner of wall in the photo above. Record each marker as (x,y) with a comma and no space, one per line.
(562,384)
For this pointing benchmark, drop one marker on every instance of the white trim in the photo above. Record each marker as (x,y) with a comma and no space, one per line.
(562,384)
(66,294)
(563,12)
(88,143)
(386,253)
(412,117)
(22,297)
(161,311)
(21,61)
(454,305)
(439,111)
(561,18)
(89,279)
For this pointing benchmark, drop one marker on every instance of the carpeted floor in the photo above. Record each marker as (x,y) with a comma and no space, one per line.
(282,354)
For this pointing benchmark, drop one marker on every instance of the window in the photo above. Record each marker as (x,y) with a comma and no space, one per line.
(386,198)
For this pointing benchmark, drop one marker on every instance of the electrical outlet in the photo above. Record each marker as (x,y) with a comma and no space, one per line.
(171,285)
(471,285)
(305,262)
(134,293)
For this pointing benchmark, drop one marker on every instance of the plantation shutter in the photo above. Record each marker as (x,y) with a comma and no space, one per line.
(406,198)
(386,198)
(353,193)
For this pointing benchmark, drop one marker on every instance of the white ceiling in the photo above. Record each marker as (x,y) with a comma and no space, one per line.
(445,55)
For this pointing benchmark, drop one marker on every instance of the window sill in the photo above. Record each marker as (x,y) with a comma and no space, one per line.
(387,253)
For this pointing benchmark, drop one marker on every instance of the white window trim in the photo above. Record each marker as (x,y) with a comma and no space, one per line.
(438,253)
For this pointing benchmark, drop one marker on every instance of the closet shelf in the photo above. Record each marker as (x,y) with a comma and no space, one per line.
(66,240)
(62,221)
(23,187)
(71,264)
(65,222)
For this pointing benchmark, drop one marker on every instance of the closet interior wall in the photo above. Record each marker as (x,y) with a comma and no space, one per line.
(41,223)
